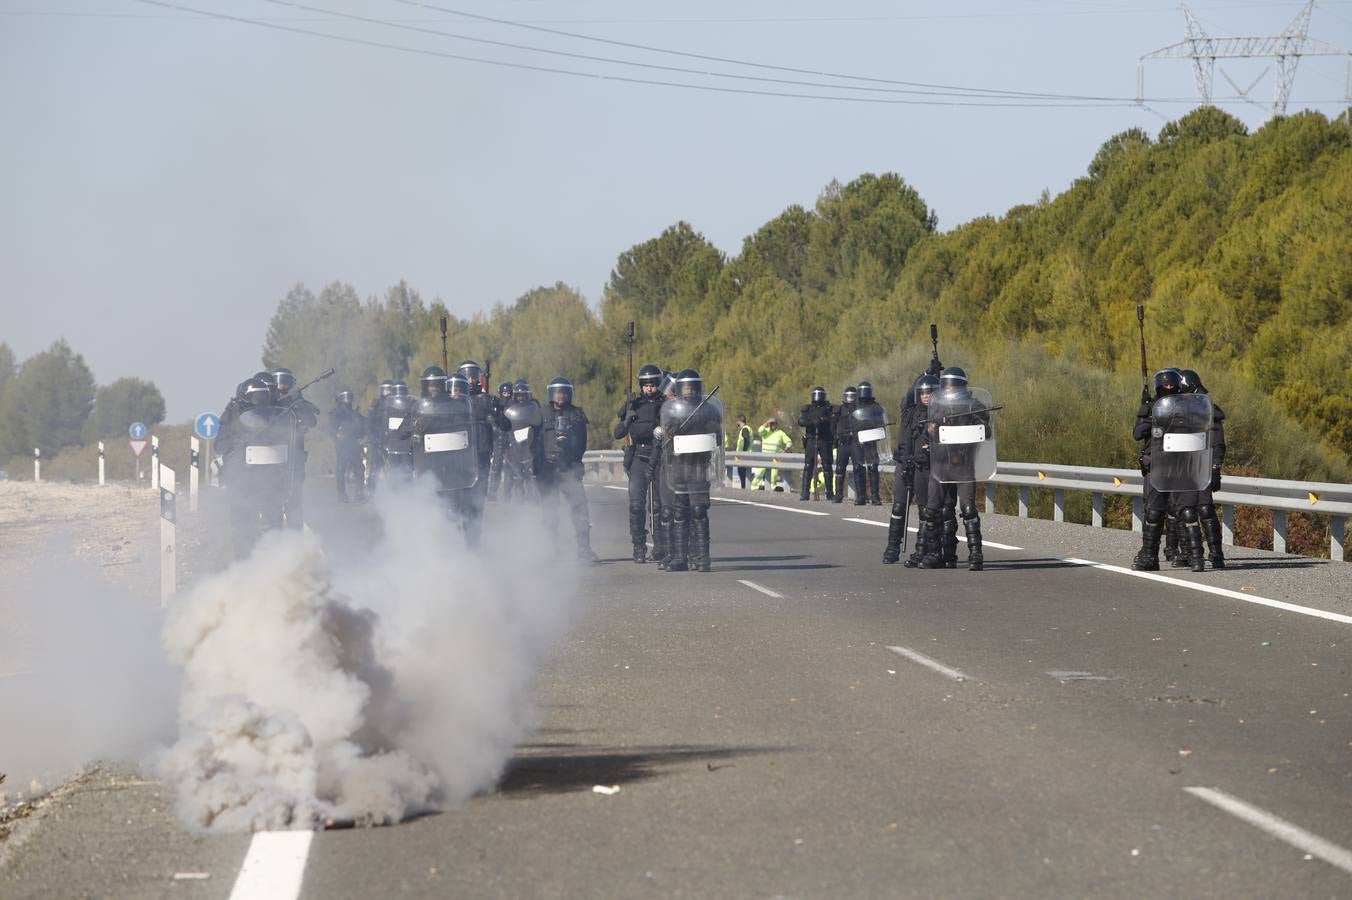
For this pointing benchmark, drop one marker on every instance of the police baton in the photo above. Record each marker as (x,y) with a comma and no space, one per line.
(315,380)
(698,407)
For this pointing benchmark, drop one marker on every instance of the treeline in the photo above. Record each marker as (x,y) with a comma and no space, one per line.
(51,401)
(1237,244)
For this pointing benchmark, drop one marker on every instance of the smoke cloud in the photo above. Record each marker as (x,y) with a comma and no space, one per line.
(368,690)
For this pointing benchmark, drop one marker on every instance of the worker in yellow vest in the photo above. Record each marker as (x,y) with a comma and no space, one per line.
(773,440)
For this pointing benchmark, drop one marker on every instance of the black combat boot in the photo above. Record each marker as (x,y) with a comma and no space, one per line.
(973,526)
(661,537)
(1212,526)
(838,496)
(860,487)
(1196,556)
(874,479)
(1172,528)
(933,536)
(921,539)
(1148,557)
(679,541)
(699,540)
(896,530)
(638,533)
(950,528)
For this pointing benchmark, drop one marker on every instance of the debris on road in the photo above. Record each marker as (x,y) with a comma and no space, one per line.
(603,789)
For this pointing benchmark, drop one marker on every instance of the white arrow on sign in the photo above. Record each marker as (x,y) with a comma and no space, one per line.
(138,447)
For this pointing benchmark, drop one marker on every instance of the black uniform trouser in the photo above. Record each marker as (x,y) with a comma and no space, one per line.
(816,450)
(498,468)
(944,502)
(919,492)
(843,455)
(553,482)
(640,487)
(348,464)
(295,499)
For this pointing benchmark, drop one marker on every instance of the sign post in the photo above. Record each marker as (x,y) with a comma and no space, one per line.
(37,465)
(138,438)
(101,481)
(168,518)
(154,463)
(193,468)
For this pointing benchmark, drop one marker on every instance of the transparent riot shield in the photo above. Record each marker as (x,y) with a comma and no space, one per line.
(259,468)
(961,434)
(445,443)
(523,440)
(1180,442)
(870,420)
(692,445)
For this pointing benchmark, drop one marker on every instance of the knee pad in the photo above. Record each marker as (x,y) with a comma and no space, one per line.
(637,509)
(1206,511)
(1188,514)
(969,511)
(699,512)
(950,512)
(1154,516)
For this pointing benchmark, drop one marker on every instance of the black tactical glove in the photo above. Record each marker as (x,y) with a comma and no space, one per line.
(1215,483)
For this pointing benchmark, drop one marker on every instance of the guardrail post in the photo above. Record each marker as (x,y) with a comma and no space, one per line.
(168,550)
(1058,505)
(1337,538)
(154,463)
(1228,526)
(1137,513)
(37,465)
(194,470)
(101,480)
(1097,500)
(1279,531)
(1023,502)
(990,498)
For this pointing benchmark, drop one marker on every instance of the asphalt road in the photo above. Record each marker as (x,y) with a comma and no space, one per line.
(806,722)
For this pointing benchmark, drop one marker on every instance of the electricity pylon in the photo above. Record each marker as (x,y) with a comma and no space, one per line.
(1286,48)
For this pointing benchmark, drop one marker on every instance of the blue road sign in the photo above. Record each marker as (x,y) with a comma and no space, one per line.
(208,426)
(138,431)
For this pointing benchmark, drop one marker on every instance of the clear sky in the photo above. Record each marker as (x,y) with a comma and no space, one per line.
(167,176)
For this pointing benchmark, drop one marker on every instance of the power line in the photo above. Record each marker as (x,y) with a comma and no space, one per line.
(764,79)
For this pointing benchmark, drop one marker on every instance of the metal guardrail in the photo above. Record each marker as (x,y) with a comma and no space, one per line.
(1283,497)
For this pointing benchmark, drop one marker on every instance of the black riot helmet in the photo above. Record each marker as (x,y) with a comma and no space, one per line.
(386,387)
(865,392)
(257,392)
(473,374)
(283,380)
(819,394)
(649,374)
(667,386)
(400,389)
(689,386)
(924,386)
(433,377)
(1192,382)
(953,377)
(457,385)
(1167,382)
(505,390)
(521,391)
(560,390)
(850,394)
(344,396)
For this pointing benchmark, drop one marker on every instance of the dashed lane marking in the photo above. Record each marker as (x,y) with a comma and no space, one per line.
(758,587)
(931,664)
(801,512)
(1279,828)
(274,866)
(1220,592)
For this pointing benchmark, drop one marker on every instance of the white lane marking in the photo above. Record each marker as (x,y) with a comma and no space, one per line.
(864,521)
(932,664)
(986,543)
(1220,592)
(917,531)
(1279,828)
(274,866)
(764,590)
(801,512)
(19,673)
(615,487)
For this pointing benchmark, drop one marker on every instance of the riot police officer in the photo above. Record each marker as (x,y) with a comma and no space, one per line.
(869,421)
(375,432)
(395,452)
(485,411)
(911,484)
(842,427)
(1191,383)
(441,430)
(961,435)
(641,416)
(307,417)
(1175,459)
(815,420)
(690,436)
(347,428)
(256,451)
(522,421)
(500,442)
(564,441)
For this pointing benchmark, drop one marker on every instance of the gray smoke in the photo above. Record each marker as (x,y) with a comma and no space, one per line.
(368,692)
